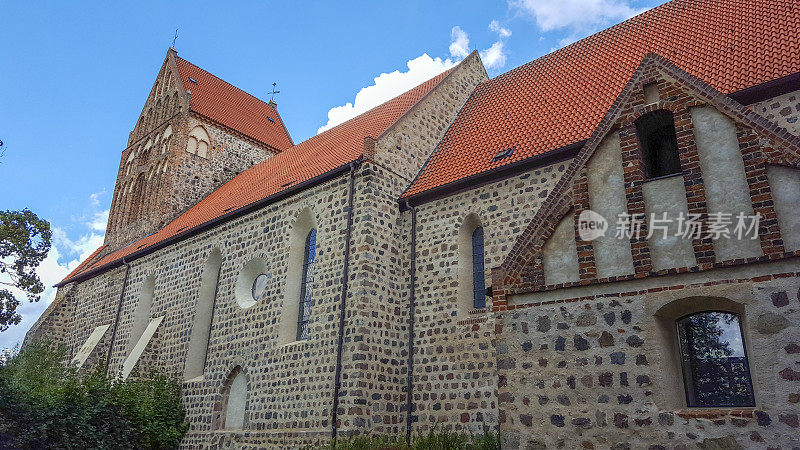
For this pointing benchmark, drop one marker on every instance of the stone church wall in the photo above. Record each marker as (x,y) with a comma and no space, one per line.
(783,110)
(290,385)
(374,383)
(455,372)
(593,367)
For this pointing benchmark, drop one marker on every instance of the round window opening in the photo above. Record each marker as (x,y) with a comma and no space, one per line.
(259,286)
(252,282)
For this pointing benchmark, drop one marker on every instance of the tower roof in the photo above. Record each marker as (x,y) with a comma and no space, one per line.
(232,107)
(558,99)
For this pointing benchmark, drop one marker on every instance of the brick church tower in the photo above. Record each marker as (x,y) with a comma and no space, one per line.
(194,133)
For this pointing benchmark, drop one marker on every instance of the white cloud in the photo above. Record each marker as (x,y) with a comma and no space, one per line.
(64,256)
(459,43)
(422,68)
(388,86)
(94,199)
(494,57)
(502,32)
(99,221)
(579,17)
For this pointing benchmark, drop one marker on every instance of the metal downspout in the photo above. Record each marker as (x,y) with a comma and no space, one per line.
(345,275)
(411,311)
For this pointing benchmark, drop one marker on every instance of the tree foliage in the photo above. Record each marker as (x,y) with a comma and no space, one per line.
(24,243)
(44,404)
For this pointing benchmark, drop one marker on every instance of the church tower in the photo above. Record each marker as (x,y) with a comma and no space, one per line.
(194,133)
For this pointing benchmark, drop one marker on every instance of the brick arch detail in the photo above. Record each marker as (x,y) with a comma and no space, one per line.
(517,273)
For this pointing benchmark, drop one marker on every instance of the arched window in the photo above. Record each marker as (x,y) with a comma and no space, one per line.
(199,142)
(165,138)
(136,198)
(204,313)
(716,372)
(141,312)
(295,311)
(656,131)
(470,269)
(306,283)
(234,394)
(478,275)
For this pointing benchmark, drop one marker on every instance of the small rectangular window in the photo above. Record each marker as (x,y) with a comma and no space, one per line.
(656,132)
(192,80)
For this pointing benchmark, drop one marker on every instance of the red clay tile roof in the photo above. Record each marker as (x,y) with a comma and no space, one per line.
(232,107)
(82,266)
(322,153)
(560,98)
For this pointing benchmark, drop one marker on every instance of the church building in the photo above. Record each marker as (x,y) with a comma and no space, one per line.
(597,249)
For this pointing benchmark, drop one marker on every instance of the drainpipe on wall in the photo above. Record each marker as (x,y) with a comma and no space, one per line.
(411,306)
(119,310)
(345,275)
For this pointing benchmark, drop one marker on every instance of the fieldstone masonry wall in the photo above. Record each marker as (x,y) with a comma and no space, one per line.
(783,110)
(455,375)
(587,371)
(583,365)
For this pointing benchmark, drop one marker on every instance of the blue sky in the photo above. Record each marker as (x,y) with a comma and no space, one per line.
(74,77)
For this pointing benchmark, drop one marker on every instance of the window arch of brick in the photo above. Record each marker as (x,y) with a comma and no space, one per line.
(232,406)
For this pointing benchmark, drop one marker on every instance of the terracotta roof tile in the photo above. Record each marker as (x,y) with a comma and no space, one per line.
(232,107)
(560,98)
(322,153)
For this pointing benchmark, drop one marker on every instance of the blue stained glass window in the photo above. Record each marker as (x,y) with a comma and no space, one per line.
(716,372)
(478,276)
(304,315)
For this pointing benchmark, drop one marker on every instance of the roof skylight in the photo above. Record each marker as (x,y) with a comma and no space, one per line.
(505,153)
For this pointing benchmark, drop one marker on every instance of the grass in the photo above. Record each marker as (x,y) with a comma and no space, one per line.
(434,439)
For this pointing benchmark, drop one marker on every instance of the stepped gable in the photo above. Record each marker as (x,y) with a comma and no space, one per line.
(560,98)
(323,153)
(232,107)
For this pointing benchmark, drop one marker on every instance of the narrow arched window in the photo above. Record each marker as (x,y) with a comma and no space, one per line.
(716,372)
(304,314)
(203,315)
(656,132)
(478,275)
(235,400)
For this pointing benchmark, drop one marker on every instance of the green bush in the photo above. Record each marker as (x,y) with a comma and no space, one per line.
(44,404)
(435,439)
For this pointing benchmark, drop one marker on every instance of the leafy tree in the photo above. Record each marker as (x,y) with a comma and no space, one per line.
(45,404)
(24,243)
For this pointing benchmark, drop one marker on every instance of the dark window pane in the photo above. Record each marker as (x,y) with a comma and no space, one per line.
(715,367)
(478,276)
(656,131)
(304,314)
